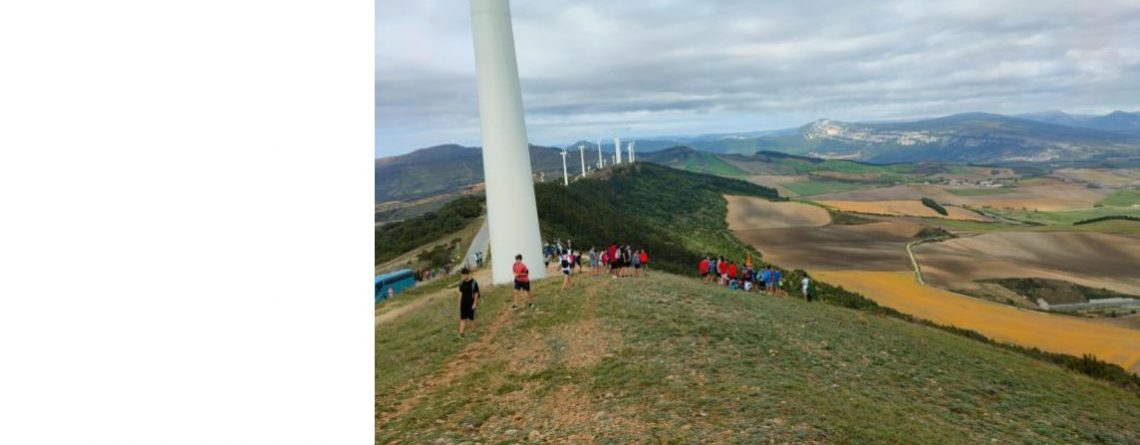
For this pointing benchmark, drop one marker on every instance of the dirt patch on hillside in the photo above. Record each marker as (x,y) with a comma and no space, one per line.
(1108,177)
(875,246)
(1057,333)
(902,208)
(747,213)
(1090,259)
(529,354)
(587,343)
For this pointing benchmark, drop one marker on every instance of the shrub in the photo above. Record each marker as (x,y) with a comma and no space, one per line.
(935,206)
(1107,218)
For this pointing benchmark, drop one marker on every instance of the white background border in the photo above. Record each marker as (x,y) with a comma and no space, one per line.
(186,246)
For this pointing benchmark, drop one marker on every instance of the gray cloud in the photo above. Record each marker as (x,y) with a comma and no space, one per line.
(593,69)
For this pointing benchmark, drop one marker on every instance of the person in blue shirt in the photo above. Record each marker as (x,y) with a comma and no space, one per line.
(777,279)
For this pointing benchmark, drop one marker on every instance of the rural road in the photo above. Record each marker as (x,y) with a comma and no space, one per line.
(914,262)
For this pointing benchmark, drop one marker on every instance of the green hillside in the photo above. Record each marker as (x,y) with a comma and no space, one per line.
(393,240)
(677,215)
(665,359)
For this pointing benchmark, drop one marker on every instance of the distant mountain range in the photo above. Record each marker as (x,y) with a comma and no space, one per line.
(982,138)
(445,169)
(1116,122)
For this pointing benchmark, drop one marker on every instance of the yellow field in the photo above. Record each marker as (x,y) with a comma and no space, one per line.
(1056,333)
(901,208)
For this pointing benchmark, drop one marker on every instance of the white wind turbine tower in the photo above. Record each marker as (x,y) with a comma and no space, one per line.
(512,216)
(582,155)
(601,163)
(629,152)
(617,151)
(565,177)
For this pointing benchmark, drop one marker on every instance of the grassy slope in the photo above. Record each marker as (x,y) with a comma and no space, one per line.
(723,367)
(396,239)
(676,215)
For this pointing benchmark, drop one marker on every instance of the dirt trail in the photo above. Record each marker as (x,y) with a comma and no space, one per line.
(460,365)
(483,276)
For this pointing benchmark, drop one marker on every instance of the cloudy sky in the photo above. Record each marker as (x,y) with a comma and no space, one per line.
(595,69)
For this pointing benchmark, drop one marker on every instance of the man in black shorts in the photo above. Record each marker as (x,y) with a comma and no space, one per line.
(468,299)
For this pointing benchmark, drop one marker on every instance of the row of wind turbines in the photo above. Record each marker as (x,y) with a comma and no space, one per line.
(614,160)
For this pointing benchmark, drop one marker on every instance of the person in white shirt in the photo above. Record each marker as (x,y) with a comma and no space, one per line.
(805,282)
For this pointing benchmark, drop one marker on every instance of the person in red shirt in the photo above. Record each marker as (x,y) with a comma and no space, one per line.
(615,260)
(645,260)
(732,271)
(522,282)
(704,268)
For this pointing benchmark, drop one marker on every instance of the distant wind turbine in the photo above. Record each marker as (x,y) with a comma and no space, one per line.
(617,151)
(601,163)
(582,155)
(565,177)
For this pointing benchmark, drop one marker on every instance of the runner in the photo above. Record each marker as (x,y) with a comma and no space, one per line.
(468,299)
(522,282)
(636,260)
(778,280)
(805,283)
(732,271)
(645,260)
(703,267)
(567,262)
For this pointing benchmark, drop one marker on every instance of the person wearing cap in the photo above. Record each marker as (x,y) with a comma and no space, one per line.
(468,300)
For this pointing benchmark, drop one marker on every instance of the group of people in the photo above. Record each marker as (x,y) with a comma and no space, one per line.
(618,261)
(741,276)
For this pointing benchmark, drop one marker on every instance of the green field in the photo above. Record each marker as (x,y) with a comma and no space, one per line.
(666,359)
(710,164)
(980,191)
(1124,227)
(1065,217)
(1122,198)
